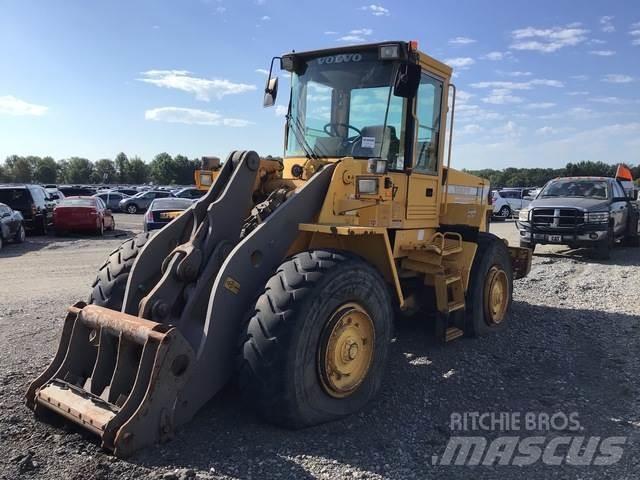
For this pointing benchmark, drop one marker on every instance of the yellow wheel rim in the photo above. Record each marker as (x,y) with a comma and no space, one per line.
(346,350)
(496,295)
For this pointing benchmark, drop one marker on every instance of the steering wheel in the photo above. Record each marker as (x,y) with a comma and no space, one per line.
(331,130)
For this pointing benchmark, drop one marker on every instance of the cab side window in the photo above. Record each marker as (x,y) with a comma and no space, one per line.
(428,114)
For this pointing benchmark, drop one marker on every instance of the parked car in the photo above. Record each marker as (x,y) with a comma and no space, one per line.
(141,201)
(163,210)
(77,190)
(30,201)
(112,199)
(516,198)
(190,192)
(83,214)
(56,195)
(129,192)
(501,208)
(11,225)
(590,212)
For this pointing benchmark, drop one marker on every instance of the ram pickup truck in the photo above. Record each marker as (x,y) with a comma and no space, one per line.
(593,212)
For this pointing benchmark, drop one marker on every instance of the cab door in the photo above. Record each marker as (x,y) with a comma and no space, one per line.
(619,209)
(423,202)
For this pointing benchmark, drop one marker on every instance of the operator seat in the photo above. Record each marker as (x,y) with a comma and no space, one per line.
(385,136)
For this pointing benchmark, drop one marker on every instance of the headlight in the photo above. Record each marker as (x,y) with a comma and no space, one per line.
(523,216)
(367,186)
(597,217)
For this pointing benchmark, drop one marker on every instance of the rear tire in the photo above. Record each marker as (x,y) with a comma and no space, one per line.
(133,208)
(293,366)
(20,234)
(490,291)
(505,212)
(111,281)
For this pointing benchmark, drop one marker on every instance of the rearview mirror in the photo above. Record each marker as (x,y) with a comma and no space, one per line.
(407,80)
(270,92)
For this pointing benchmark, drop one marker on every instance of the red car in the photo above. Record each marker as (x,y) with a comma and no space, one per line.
(82,214)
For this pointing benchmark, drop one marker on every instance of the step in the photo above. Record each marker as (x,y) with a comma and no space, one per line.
(452,333)
(453,306)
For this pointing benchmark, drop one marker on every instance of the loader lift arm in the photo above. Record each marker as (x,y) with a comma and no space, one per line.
(133,376)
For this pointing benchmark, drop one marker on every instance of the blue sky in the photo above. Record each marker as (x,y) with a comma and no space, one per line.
(541,83)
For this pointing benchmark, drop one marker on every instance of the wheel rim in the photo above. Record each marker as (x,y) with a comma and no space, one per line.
(504,211)
(346,350)
(22,234)
(131,209)
(496,295)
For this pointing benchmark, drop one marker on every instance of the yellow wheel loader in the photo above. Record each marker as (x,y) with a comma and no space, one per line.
(286,276)
(206,174)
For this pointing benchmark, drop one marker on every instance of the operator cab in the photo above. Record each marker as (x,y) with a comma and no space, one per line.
(367,101)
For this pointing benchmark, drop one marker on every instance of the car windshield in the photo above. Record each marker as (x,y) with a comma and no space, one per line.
(597,189)
(78,202)
(171,204)
(343,105)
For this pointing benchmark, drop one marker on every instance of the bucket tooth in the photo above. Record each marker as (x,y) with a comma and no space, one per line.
(116,375)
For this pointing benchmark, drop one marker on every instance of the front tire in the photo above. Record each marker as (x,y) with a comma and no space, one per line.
(133,208)
(505,212)
(111,280)
(316,346)
(490,291)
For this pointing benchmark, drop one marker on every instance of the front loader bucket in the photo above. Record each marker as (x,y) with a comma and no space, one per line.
(116,375)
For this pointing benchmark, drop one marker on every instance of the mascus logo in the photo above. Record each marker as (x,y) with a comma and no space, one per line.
(342,58)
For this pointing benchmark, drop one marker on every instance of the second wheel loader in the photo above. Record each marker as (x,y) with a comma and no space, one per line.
(286,276)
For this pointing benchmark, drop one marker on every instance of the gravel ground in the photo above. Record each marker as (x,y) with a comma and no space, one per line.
(572,346)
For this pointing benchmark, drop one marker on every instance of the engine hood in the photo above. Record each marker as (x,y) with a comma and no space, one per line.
(587,204)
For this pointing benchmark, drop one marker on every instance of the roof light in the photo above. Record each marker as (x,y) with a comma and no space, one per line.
(413,46)
(389,52)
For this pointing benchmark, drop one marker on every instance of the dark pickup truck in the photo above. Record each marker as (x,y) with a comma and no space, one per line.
(593,212)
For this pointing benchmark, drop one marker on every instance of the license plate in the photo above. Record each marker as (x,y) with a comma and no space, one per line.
(169,215)
(555,238)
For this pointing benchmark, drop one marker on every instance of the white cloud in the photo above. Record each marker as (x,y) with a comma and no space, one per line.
(376,10)
(606,25)
(578,92)
(518,85)
(192,116)
(580,77)
(540,106)
(471,128)
(203,88)
(266,18)
(501,96)
(607,100)
(461,41)
(545,131)
(357,35)
(617,78)
(221,9)
(547,40)
(10,105)
(262,71)
(635,32)
(519,74)
(461,63)
(330,32)
(602,53)
(281,110)
(494,56)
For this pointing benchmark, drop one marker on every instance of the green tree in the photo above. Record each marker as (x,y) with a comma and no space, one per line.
(46,170)
(105,171)
(79,170)
(163,169)
(138,171)
(20,169)
(63,171)
(4,175)
(122,167)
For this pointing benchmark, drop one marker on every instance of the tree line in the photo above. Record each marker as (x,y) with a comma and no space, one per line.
(164,169)
(536,177)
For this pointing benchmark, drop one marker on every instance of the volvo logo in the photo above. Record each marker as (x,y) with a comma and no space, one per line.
(342,58)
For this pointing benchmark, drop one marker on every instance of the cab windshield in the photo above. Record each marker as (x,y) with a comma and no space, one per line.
(343,105)
(597,189)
